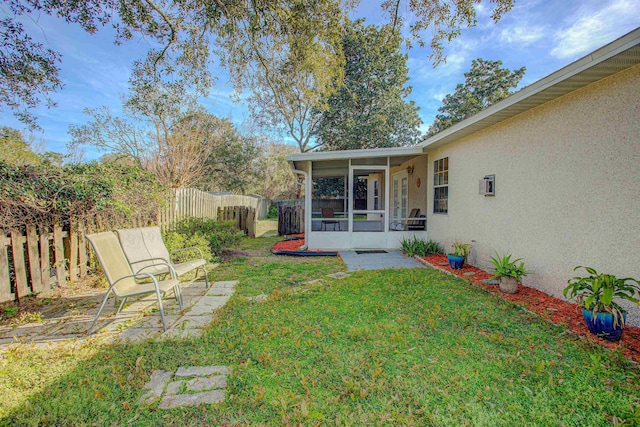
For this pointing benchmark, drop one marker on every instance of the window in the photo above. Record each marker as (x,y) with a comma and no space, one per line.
(441,186)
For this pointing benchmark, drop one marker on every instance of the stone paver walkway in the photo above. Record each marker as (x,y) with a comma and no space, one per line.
(377,261)
(186,387)
(137,321)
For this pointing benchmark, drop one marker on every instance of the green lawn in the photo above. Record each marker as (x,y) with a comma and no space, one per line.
(408,347)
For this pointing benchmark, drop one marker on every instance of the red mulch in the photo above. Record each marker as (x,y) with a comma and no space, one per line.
(554,309)
(288,245)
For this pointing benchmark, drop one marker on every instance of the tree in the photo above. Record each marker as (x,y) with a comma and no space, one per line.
(369,109)
(278,181)
(485,84)
(194,149)
(183,34)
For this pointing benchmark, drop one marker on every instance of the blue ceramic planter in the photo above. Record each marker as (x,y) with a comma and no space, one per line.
(602,325)
(455,262)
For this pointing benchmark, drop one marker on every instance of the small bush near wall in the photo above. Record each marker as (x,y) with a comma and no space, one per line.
(219,235)
(174,241)
(420,247)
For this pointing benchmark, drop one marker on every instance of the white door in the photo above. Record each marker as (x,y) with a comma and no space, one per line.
(400,199)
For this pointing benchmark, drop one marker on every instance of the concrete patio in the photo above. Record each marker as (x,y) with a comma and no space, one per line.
(377,261)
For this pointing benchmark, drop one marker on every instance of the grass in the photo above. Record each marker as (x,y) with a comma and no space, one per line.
(405,347)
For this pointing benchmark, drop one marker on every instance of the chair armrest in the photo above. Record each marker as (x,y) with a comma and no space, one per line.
(188,249)
(164,262)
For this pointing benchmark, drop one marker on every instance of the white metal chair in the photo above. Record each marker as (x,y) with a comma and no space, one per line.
(146,252)
(122,281)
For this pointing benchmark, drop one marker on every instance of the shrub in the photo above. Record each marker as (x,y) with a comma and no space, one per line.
(174,240)
(420,247)
(220,235)
(273,212)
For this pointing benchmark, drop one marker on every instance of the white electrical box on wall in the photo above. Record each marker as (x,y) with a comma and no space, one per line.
(488,185)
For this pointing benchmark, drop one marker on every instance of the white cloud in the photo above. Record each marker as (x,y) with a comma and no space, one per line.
(522,35)
(594,28)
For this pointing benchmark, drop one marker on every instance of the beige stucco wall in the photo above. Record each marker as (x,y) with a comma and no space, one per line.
(417,194)
(567,186)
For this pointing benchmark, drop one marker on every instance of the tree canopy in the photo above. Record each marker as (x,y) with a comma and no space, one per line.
(369,109)
(485,84)
(184,34)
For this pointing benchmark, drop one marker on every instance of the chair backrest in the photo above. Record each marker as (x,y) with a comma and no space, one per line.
(141,244)
(112,260)
(415,213)
(327,213)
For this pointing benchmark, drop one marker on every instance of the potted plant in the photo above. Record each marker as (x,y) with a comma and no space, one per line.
(595,293)
(508,272)
(459,255)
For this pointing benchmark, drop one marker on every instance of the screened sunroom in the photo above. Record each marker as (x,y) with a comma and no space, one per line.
(360,199)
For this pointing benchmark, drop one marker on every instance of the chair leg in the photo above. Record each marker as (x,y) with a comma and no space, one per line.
(121,305)
(164,325)
(104,301)
(206,277)
(178,292)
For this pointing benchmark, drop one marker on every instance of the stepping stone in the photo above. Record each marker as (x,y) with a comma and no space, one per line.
(316,282)
(338,275)
(469,273)
(215,396)
(194,385)
(490,281)
(443,263)
(154,388)
(551,309)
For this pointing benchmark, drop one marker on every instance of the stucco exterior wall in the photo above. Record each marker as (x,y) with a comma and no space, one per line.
(567,186)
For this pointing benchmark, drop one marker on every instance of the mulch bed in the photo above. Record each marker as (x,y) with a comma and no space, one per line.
(288,245)
(553,309)
(293,246)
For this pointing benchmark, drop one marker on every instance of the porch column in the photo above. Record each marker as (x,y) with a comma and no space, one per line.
(308,201)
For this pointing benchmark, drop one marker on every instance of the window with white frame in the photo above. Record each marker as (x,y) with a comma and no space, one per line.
(376,196)
(441,186)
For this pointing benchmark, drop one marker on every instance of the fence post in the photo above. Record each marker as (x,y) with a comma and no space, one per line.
(34,258)
(58,246)
(73,251)
(5,284)
(45,262)
(17,247)
(82,249)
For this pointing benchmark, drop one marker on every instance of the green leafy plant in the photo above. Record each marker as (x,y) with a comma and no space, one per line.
(461,249)
(505,267)
(221,235)
(414,246)
(597,291)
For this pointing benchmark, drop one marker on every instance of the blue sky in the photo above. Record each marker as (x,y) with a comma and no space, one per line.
(543,35)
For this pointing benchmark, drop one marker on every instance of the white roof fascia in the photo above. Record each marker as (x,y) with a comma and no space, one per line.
(355,154)
(614,48)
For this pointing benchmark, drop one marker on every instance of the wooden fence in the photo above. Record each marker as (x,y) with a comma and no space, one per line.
(35,259)
(290,219)
(192,203)
(244,217)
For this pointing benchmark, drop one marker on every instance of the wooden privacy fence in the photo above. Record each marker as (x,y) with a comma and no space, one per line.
(192,203)
(290,219)
(244,217)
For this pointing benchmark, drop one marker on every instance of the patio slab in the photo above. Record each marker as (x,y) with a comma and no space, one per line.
(377,261)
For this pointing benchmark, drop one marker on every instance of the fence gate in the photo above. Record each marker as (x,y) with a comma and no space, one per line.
(290,219)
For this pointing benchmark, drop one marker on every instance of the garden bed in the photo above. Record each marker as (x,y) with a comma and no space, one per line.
(293,247)
(554,309)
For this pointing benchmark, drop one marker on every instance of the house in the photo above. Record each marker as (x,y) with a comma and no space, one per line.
(550,174)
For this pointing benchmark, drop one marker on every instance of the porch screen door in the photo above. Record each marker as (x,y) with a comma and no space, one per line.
(400,196)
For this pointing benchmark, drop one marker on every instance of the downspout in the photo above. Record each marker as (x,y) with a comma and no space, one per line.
(307,204)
